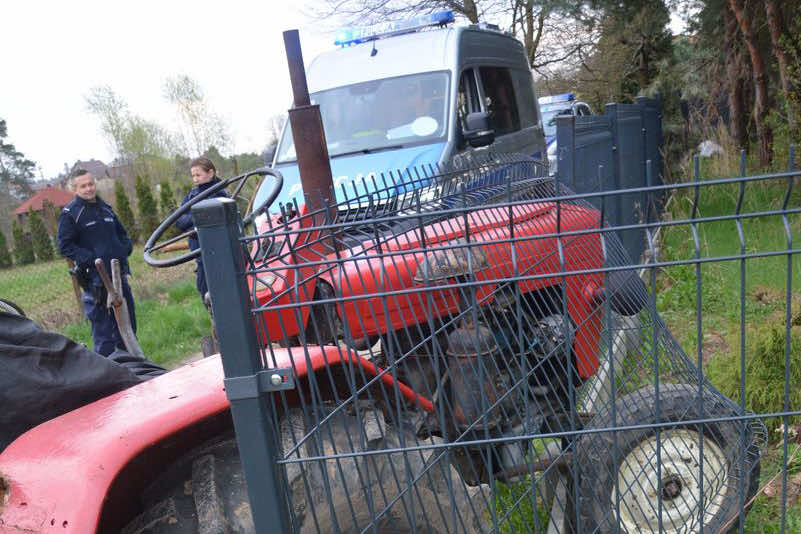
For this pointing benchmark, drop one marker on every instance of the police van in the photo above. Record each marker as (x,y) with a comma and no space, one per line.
(412,95)
(552,106)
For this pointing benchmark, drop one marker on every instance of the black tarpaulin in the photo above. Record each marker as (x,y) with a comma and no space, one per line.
(44,374)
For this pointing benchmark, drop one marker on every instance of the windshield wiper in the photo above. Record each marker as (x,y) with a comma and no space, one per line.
(367,151)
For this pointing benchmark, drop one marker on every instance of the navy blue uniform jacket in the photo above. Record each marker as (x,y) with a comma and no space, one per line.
(89,230)
(185,222)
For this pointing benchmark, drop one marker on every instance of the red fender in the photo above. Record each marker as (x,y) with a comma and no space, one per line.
(57,476)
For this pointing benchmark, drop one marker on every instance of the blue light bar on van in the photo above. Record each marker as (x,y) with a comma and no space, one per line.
(552,99)
(350,36)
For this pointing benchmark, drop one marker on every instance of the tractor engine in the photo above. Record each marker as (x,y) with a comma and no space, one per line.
(482,372)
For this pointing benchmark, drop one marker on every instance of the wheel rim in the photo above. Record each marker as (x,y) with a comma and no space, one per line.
(679,485)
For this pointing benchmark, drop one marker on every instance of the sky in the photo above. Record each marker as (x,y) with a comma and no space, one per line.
(55,52)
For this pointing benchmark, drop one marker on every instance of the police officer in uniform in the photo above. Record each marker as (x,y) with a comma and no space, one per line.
(87,229)
(204,176)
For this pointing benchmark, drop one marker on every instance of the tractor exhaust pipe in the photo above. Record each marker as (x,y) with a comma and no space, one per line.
(309,137)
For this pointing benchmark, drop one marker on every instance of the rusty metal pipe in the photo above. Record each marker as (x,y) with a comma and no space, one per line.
(297,72)
(309,138)
(119,306)
(560,461)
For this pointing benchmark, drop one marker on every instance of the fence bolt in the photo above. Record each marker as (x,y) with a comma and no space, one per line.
(276,379)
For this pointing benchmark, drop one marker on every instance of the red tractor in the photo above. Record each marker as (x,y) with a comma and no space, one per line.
(393,361)
(412,352)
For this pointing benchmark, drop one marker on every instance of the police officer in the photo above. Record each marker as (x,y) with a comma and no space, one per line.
(204,176)
(88,229)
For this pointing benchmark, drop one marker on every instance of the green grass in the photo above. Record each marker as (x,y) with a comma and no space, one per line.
(171,318)
(765,514)
(169,328)
(515,504)
(45,292)
(764,373)
(765,279)
(764,286)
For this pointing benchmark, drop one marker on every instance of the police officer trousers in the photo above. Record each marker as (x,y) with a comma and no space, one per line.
(105,334)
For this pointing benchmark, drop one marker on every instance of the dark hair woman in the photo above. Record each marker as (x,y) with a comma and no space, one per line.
(204,176)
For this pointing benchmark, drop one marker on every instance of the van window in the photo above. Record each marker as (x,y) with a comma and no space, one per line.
(525,97)
(500,99)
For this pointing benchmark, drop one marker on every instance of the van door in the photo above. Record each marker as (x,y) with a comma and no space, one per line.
(468,101)
(508,97)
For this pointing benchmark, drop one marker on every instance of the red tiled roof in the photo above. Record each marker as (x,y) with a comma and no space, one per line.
(57,197)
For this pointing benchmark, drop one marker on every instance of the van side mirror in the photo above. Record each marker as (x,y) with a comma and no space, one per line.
(477,130)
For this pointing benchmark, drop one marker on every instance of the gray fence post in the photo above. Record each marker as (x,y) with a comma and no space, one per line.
(611,111)
(566,134)
(218,226)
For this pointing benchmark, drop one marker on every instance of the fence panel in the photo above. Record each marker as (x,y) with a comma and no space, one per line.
(480,355)
(610,152)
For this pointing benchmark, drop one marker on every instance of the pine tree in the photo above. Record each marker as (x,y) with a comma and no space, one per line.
(124,212)
(167,199)
(42,245)
(5,255)
(23,248)
(148,211)
(168,205)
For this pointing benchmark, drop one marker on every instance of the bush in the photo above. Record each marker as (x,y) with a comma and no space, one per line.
(23,248)
(124,212)
(146,205)
(764,372)
(167,198)
(5,255)
(42,245)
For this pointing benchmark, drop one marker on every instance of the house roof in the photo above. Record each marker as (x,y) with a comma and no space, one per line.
(57,197)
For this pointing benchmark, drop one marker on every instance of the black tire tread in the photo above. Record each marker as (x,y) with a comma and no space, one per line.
(204,491)
(198,495)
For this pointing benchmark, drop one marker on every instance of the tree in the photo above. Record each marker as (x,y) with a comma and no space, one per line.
(124,211)
(565,27)
(112,111)
(23,248)
(50,216)
(201,126)
(737,77)
(42,245)
(145,145)
(167,199)
(784,50)
(146,205)
(747,19)
(5,255)
(16,173)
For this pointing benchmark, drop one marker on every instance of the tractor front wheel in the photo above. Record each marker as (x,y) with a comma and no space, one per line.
(687,474)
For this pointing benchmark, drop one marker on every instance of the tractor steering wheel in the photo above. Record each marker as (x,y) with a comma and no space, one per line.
(153,245)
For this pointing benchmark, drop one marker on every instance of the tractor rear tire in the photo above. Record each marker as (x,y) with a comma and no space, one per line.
(635,467)
(205,491)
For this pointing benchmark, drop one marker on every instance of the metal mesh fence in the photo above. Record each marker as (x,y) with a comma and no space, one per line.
(472,350)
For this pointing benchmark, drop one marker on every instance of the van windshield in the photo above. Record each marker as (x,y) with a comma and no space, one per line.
(379,115)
